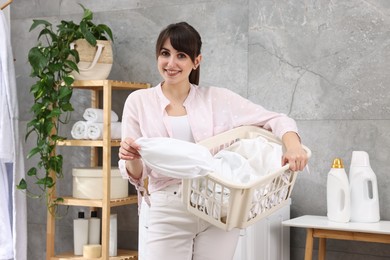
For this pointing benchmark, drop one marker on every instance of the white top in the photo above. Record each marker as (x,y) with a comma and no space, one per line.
(181,128)
(322,222)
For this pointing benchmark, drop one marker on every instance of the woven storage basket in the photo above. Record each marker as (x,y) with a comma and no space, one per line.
(229,205)
(95,61)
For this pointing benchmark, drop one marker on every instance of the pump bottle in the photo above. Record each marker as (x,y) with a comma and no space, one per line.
(364,189)
(94,229)
(80,233)
(338,195)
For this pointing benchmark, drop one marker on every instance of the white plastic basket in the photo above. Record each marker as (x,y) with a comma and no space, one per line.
(229,205)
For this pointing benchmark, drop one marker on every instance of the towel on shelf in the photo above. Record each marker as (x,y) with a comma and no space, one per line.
(95,130)
(79,130)
(96,115)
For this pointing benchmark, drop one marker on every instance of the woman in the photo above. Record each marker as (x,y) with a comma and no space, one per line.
(179,108)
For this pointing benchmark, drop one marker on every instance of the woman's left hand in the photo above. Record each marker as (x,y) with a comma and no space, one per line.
(295,155)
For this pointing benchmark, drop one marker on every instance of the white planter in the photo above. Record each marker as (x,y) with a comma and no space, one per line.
(88,184)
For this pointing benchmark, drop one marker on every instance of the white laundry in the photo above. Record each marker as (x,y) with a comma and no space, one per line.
(243,162)
(261,155)
(96,115)
(11,151)
(175,158)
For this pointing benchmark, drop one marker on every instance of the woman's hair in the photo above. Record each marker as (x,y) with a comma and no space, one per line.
(184,38)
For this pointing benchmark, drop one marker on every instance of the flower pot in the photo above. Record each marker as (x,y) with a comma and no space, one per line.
(95,61)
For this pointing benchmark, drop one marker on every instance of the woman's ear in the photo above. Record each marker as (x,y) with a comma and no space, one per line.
(197,61)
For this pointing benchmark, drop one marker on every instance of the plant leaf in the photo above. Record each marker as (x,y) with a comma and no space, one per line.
(107,30)
(22,185)
(88,15)
(71,65)
(68,81)
(37,60)
(33,152)
(67,107)
(39,22)
(32,172)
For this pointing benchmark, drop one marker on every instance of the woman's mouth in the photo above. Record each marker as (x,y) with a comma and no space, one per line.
(172,73)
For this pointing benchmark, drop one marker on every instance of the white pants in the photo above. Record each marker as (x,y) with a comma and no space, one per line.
(175,234)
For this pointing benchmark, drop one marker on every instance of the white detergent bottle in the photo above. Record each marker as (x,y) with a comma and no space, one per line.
(364,189)
(338,196)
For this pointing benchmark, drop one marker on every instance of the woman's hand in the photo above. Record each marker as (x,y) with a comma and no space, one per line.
(295,155)
(128,150)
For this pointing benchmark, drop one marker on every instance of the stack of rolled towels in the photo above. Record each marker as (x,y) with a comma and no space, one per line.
(92,126)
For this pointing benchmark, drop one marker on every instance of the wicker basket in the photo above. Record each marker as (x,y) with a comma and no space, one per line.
(95,62)
(229,205)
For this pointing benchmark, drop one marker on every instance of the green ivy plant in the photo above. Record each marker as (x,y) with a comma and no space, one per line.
(52,62)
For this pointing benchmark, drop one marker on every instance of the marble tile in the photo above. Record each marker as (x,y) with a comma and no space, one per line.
(34,8)
(318,58)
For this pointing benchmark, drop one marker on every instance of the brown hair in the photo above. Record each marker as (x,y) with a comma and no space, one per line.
(184,38)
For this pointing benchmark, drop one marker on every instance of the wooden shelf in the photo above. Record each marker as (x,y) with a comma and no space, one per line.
(122,255)
(100,90)
(114,84)
(89,143)
(71,201)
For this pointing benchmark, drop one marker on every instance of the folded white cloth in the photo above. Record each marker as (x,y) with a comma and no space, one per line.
(175,158)
(96,115)
(79,130)
(95,130)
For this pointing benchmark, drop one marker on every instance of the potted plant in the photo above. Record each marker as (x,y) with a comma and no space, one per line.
(52,63)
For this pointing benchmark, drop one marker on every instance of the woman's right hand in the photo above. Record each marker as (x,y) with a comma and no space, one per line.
(128,150)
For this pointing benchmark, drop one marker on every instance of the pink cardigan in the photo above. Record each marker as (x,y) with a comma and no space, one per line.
(210,111)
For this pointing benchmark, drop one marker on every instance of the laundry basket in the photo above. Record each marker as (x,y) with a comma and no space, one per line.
(229,205)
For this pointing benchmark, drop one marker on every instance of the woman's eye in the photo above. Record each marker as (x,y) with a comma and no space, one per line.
(164,53)
(181,56)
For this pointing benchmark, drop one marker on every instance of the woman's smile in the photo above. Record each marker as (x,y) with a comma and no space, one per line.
(172,73)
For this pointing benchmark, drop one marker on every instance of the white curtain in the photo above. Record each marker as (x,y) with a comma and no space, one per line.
(13,210)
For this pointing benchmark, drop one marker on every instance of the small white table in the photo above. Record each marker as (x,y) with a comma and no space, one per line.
(320,227)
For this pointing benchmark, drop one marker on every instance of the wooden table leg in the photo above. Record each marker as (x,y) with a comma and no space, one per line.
(322,248)
(309,244)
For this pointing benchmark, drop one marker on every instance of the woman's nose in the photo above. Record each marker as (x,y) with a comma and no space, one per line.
(171,61)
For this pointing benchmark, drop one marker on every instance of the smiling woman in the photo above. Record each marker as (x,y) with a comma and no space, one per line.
(174,233)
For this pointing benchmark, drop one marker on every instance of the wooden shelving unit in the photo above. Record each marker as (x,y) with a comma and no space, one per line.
(97,87)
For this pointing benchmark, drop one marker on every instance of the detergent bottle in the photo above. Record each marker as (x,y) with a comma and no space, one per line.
(364,189)
(338,194)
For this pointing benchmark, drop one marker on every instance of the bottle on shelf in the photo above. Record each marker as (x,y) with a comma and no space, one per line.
(338,194)
(80,233)
(94,229)
(364,189)
(113,235)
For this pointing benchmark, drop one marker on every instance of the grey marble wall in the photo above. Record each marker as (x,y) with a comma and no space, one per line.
(323,62)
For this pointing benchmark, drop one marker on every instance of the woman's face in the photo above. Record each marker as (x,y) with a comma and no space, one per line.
(175,66)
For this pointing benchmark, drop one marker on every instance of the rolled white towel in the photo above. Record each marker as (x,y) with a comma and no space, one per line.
(96,115)
(79,130)
(95,130)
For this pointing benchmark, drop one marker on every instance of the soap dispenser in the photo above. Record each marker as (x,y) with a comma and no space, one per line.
(338,193)
(364,189)
(94,229)
(80,233)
